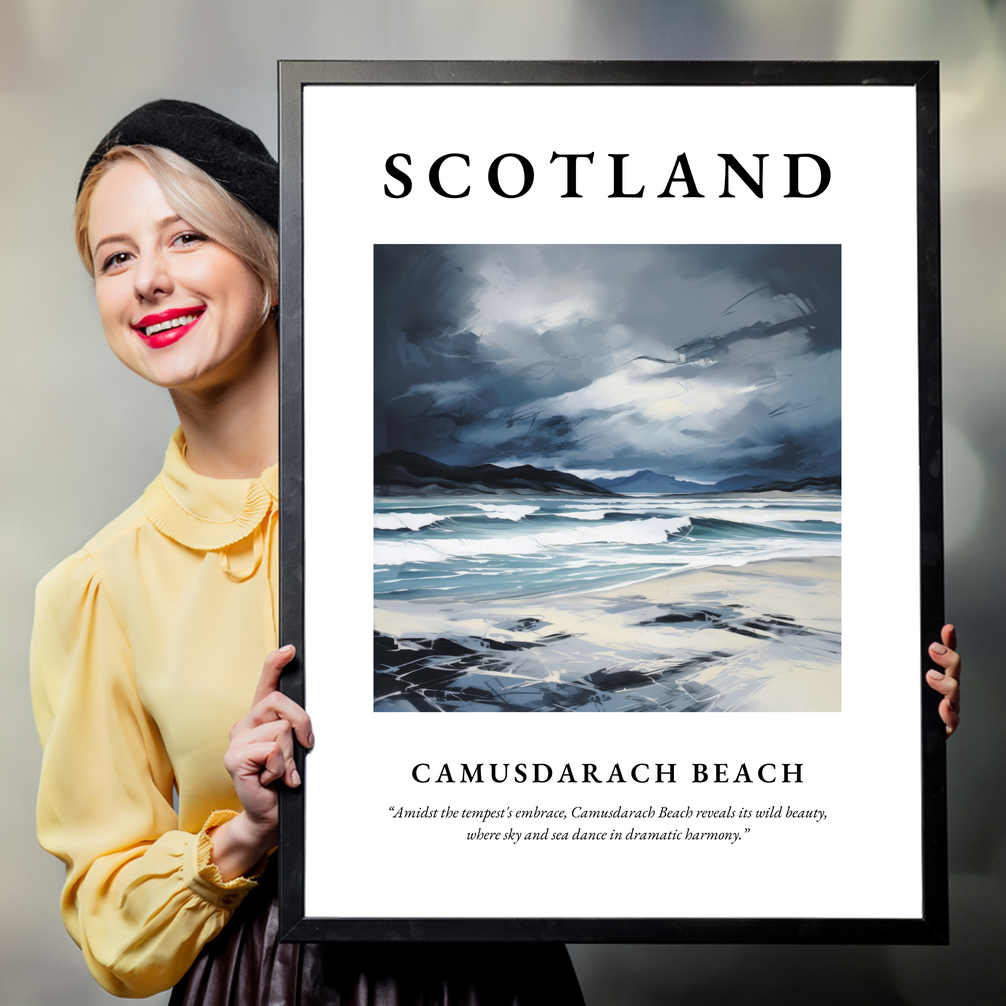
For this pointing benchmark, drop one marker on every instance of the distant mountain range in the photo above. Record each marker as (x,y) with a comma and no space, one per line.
(403,473)
(651,482)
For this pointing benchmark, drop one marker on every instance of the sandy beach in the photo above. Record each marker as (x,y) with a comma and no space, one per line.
(762,637)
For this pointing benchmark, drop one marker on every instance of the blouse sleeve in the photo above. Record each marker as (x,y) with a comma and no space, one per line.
(141,898)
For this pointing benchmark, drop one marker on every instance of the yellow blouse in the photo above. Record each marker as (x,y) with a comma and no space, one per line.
(147,647)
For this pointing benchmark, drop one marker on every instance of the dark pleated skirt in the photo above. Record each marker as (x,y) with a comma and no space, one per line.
(246,965)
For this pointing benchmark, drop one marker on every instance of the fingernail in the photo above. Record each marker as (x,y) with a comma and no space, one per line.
(295,777)
(310,740)
(936,675)
(938,648)
(287,649)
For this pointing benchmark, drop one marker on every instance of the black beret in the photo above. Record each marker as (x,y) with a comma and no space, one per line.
(231,154)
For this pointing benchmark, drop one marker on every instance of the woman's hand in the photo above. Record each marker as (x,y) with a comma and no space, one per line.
(260,753)
(947,682)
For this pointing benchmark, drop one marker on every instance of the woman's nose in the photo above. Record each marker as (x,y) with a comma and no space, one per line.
(152,277)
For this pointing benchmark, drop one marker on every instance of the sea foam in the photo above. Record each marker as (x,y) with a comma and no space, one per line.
(404,521)
(511,512)
(652,531)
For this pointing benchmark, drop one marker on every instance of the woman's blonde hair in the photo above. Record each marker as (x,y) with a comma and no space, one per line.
(200,201)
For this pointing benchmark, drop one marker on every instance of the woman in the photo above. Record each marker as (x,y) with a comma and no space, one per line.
(149,642)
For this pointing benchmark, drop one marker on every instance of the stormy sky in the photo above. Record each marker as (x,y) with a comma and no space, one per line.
(700,362)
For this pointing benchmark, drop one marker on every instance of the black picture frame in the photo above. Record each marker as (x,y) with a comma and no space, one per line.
(931,925)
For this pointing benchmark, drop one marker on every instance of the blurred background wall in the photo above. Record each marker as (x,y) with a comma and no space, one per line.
(82,437)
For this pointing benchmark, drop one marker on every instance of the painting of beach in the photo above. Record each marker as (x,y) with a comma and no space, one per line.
(607,478)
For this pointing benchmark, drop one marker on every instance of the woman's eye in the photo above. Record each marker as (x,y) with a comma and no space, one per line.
(114,261)
(190,238)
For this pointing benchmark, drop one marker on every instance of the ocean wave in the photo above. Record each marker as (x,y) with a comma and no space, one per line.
(404,521)
(651,531)
(744,512)
(600,571)
(742,515)
(778,550)
(535,547)
(506,512)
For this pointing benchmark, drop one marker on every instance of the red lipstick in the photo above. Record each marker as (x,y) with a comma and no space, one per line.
(166,327)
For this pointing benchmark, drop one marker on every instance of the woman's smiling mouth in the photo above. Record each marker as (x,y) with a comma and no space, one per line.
(166,327)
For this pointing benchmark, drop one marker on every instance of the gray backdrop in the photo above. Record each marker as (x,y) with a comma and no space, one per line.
(82,436)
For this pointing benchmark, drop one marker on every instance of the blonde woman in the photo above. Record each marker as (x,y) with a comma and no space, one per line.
(165,735)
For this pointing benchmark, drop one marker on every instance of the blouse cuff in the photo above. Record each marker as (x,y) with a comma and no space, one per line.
(202,876)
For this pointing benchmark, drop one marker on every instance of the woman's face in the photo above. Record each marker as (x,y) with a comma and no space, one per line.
(177,308)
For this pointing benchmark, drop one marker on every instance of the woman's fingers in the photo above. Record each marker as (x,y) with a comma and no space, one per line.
(270,703)
(274,766)
(947,686)
(271,671)
(261,749)
(259,761)
(945,655)
(947,681)
(949,636)
(277,706)
(263,740)
(949,710)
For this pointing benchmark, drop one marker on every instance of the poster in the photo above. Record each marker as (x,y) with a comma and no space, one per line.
(632,353)
(592,372)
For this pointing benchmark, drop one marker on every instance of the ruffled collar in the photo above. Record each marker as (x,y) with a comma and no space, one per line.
(203,513)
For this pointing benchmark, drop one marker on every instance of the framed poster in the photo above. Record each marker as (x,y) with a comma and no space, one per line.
(642,363)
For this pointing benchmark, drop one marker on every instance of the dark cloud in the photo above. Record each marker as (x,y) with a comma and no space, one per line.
(697,361)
